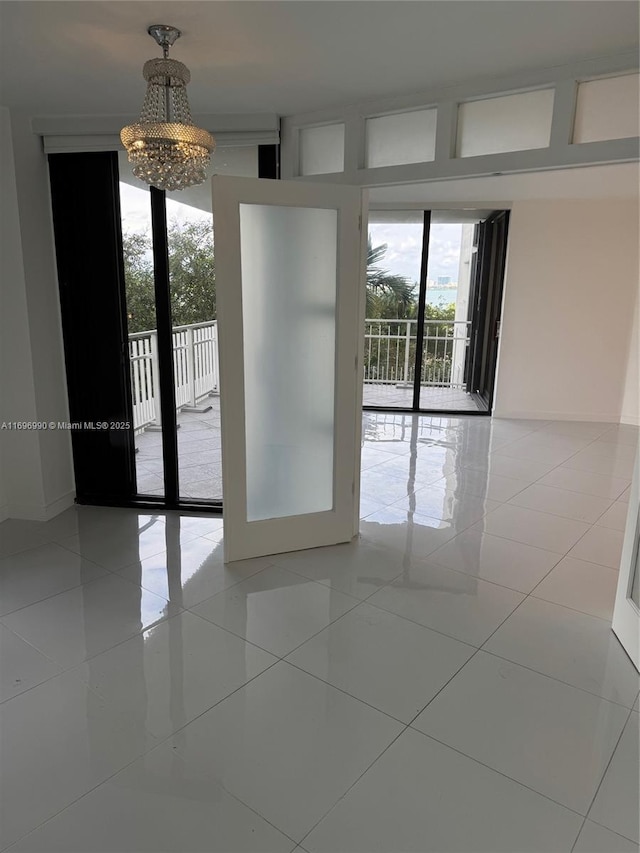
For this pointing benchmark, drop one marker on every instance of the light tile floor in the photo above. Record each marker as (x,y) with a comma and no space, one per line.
(200,447)
(447,682)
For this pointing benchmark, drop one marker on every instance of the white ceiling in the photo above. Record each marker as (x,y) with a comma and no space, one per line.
(70,58)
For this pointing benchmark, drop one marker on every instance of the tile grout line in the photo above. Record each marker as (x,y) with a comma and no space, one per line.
(159,743)
(357,602)
(293,571)
(279,659)
(567,517)
(517,541)
(478,649)
(481,648)
(428,557)
(499,772)
(604,773)
(355,782)
(554,677)
(343,690)
(454,749)
(561,464)
(70,669)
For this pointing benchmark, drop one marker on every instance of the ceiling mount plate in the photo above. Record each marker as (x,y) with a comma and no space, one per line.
(164,34)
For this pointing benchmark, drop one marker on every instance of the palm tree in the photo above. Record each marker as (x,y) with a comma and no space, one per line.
(388,296)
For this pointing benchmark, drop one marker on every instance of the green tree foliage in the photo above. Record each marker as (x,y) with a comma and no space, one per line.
(193,282)
(388,296)
(138,277)
(393,297)
(192,273)
(440,312)
(438,345)
(191,270)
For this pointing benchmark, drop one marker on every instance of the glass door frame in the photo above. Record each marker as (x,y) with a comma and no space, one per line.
(494,275)
(487,305)
(626,611)
(89,251)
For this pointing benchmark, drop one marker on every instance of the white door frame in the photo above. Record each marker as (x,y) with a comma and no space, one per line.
(243,538)
(626,613)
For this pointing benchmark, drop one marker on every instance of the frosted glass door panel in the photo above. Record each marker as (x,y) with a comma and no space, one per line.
(288,259)
(290,286)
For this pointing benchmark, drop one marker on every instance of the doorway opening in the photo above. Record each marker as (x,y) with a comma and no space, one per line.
(434,289)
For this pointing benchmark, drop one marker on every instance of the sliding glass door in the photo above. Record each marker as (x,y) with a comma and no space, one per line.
(142,328)
(445,359)
(434,286)
(393,286)
(138,297)
(192,284)
(486,304)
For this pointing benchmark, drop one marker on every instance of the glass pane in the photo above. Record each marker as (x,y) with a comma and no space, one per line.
(401,138)
(607,109)
(393,274)
(447,324)
(195,327)
(288,258)
(507,123)
(322,149)
(135,206)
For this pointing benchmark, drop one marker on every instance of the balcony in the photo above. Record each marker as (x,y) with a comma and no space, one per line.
(389,370)
(195,369)
(389,364)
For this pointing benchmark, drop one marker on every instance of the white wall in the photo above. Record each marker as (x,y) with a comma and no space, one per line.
(571,287)
(21,484)
(35,466)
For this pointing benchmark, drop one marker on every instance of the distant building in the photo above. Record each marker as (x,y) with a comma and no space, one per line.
(443,280)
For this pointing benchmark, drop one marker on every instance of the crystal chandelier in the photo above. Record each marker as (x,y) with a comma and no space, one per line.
(165,148)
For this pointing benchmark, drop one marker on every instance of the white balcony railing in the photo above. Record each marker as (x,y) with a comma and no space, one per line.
(389,357)
(195,368)
(390,346)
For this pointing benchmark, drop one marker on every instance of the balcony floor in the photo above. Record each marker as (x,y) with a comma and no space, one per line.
(199,445)
(399,396)
(199,455)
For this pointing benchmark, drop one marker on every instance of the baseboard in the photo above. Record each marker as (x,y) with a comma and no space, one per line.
(536,415)
(59,505)
(26,512)
(630,419)
(29,512)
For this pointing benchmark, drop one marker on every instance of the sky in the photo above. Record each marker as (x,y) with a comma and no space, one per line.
(136,210)
(404,240)
(405,247)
